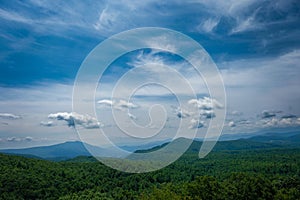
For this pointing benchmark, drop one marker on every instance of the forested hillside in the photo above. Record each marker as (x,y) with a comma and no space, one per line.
(252,172)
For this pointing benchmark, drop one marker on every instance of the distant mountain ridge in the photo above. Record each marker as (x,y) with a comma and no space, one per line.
(69,150)
(289,138)
(267,140)
(225,137)
(62,151)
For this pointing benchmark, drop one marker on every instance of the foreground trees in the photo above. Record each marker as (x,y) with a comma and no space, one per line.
(263,174)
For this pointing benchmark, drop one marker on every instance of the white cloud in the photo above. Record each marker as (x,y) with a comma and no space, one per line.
(106,102)
(13,16)
(125,104)
(247,23)
(13,139)
(18,139)
(182,113)
(106,20)
(208,25)
(205,108)
(281,122)
(231,124)
(206,103)
(162,42)
(260,82)
(118,104)
(9,116)
(235,113)
(47,123)
(145,58)
(75,119)
(131,116)
(194,124)
(243,16)
(208,114)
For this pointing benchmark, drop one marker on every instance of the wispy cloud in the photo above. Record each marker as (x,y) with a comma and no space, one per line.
(208,25)
(17,139)
(21,139)
(106,21)
(47,123)
(9,116)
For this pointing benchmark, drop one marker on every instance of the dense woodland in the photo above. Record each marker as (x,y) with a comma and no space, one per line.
(229,172)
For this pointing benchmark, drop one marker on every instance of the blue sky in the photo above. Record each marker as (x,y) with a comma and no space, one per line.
(255,44)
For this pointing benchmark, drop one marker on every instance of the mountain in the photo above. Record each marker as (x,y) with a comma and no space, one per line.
(289,138)
(133,148)
(263,141)
(269,132)
(62,151)
(69,150)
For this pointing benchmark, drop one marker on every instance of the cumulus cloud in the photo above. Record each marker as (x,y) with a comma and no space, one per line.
(194,124)
(263,120)
(207,114)
(281,122)
(73,119)
(182,113)
(120,104)
(231,124)
(125,104)
(206,103)
(9,116)
(205,109)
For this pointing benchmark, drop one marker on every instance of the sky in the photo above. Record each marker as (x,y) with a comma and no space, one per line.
(255,45)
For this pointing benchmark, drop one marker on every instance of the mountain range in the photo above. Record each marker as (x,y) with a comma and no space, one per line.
(69,150)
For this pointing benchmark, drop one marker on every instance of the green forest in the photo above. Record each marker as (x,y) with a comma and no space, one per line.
(234,170)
